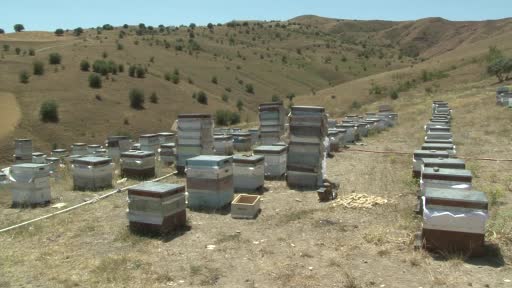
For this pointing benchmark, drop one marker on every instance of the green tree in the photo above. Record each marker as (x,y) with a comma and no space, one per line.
(54,58)
(239,105)
(38,67)
(17,50)
(202,98)
(493,55)
(2,31)
(31,52)
(49,111)
(249,88)
(141,73)
(137,98)
(95,81)
(275,98)
(84,65)
(24,77)
(19,27)
(59,32)
(78,31)
(290,96)
(500,68)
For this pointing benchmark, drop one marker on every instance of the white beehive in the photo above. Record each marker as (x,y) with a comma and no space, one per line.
(149,142)
(166,137)
(79,149)
(223,144)
(434,177)
(38,158)
(195,137)
(117,145)
(60,153)
(22,151)
(275,160)
(30,184)
(248,172)
(138,164)
(92,173)
(91,149)
(53,163)
(242,141)
(272,122)
(168,153)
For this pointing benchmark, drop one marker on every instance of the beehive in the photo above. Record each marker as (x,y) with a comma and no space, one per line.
(334,140)
(245,206)
(435,177)
(419,155)
(454,220)
(438,141)
(209,181)
(156,208)
(53,163)
(242,141)
(195,137)
(362,129)
(450,163)
(101,153)
(38,158)
(272,122)
(92,173)
(350,132)
(439,135)
(255,136)
(248,172)
(91,149)
(168,153)
(450,148)
(166,137)
(223,145)
(30,184)
(275,160)
(79,149)
(59,153)
(149,142)
(308,146)
(138,164)
(117,145)
(22,151)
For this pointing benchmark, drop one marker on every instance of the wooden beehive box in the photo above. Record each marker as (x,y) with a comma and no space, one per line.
(248,172)
(419,155)
(435,177)
(245,206)
(138,164)
(156,208)
(450,148)
(92,173)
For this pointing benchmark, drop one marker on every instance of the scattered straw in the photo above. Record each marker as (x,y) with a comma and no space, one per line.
(356,200)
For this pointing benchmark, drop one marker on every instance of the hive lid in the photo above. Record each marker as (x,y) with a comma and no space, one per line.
(439,141)
(270,149)
(92,160)
(431,153)
(248,159)
(223,137)
(241,134)
(156,189)
(94,146)
(436,173)
(37,154)
(444,162)
(137,154)
(79,144)
(194,115)
(59,150)
(22,140)
(437,146)
(439,133)
(117,137)
(148,135)
(30,165)
(456,198)
(210,160)
(168,145)
(166,134)
(308,109)
(52,159)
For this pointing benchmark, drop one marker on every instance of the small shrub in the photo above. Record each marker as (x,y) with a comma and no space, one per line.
(137,98)
(104,67)
(226,117)
(394,94)
(2,31)
(153,98)
(95,81)
(152,59)
(214,80)
(78,31)
(131,70)
(190,81)
(17,50)
(59,32)
(120,67)
(84,65)
(120,46)
(98,97)
(38,67)
(225,97)
(31,52)
(275,98)
(239,105)
(55,58)
(249,88)
(104,54)
(141,73)
(6,47)
(49,111)
(202,98)
(24,77)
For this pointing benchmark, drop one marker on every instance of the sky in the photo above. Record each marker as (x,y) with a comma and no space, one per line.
(49,15)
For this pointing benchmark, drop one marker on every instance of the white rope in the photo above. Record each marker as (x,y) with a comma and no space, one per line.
(95,199)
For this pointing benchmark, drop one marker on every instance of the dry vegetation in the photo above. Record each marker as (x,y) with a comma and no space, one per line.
(296,241)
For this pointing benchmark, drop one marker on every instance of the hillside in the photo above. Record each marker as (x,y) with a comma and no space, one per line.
(323,61)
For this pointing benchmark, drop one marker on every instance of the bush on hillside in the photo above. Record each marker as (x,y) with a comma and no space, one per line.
(49,111)
(226,117)
(24,77)
(95,81)
(501,68)
(38,67)
(249,88)
(239,105)
(17,50)
(31,52)
(104,67)
(84,65)
(137,98)
(6,47)
(108,27)
(394,94)
(214,80)
(59,32)
(225,97)
(2,31)
(54,58)
(140,72)
(202,98)
(275,98)
(19,27)
(153,98)
(78,31)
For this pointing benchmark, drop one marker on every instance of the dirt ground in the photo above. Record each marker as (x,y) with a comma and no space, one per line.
(296,241)
(10,113)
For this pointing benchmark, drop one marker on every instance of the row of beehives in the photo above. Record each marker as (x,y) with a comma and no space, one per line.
(504,96)
(454,215)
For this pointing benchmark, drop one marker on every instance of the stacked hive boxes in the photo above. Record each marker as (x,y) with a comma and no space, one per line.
(242,141)
(223,144)
(275,160)
(117,145)
(30,184)
(156,208)
(92,173)
(272,119)
(138,164)
(255,136)
(168,153)
(22,151)
(195,137)
(209,181)
(149,142)
(248,172)
(307,148)
(38,158)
